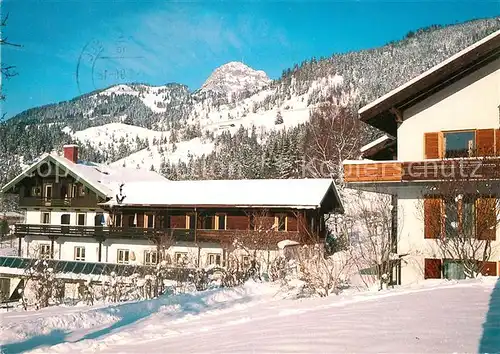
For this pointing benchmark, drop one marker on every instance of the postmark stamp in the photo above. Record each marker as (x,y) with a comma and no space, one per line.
(103,64)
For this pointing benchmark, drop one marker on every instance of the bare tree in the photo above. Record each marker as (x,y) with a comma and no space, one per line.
(7,70)
(374,247)
(333,134)
(461,213)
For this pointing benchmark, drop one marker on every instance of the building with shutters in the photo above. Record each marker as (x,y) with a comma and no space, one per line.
(439,159)
(88,212)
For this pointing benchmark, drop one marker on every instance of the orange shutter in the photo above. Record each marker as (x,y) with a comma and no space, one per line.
(485,142)
(488,268)
(431,145)
(432,268)
(497,142)
(433,221)
(486,218)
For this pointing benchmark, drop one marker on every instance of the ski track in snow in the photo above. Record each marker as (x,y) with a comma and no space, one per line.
(259,318)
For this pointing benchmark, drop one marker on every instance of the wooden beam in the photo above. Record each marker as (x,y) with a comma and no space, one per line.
(398,114)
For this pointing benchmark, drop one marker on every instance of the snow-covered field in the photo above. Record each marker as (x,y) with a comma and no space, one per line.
(434,317)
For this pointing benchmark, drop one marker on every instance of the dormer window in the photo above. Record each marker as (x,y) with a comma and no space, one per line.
(459,144)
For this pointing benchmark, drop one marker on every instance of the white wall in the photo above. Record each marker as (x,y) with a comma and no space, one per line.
(411,236)
(470,103)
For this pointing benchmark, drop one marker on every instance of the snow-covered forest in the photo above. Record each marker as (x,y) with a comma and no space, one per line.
(193,135)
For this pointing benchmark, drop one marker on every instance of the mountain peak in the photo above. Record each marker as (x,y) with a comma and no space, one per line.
(235,77)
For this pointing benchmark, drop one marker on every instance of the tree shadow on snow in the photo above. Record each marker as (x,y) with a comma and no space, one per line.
(490,339)
(129,313)
(189,304)
(55,337)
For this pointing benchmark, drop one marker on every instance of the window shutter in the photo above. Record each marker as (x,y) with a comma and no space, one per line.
(433,221)
(488,268)
(485,142)
(497,142)
(486,218)
(432,268)
(431,145)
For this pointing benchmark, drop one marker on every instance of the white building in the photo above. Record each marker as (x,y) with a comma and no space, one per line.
(442,133)
(77,211)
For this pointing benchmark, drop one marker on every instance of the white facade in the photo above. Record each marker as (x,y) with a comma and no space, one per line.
(470,103)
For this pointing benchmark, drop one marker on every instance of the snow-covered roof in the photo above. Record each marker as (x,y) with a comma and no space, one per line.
(268,193)
(101,178)
(376,142)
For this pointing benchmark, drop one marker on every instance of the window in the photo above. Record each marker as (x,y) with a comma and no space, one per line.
(81,191)
(220,221)
(150,257)
(208,222)
(280,222)
(150,220)
(118,220)
(65,219)
(459,144)
(180,258)
(36,191)
(79,253)
(48,191)
(45,251)
(45,218)
(245,261)
(123,256)
(252,222)
(190,221)
(213,259)
(459,213)
(74,190)
(81,219)
(453,269)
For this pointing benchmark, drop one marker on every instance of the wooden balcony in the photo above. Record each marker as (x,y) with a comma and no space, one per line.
(373,172)
(85,202)
(486,168)
(158,235)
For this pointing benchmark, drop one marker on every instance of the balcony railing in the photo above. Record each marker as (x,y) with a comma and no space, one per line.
(54,202)
(139,233)
(426,170)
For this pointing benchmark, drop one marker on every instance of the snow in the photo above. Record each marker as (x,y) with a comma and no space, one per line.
(149,95)
(380,140)
(435,316)
(430,71)
(235,77)
(103,178)
(308,193)
(103,134)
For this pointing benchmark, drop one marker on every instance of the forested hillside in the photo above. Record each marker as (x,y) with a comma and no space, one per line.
(242,128)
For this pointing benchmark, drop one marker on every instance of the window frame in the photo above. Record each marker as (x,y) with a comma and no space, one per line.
(217,221)
(34,189)
(471,150)
(190,217)
(78,219)
(78,257)
(150,257)
(123,252)
(42,219)
(45,187)
(277,222)
(45,251)
(147,218)
(177,255)
(215,256)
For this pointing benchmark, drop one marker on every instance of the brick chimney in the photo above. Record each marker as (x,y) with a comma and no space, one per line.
(71,152)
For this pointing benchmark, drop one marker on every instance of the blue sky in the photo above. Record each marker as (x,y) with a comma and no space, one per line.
(71,47)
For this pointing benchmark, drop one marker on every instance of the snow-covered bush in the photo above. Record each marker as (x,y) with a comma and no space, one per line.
(86,292)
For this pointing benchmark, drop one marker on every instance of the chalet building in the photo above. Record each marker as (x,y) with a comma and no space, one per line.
(442,131)
(86,212)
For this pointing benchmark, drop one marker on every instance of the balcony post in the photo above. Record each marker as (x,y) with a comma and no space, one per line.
(19,249)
